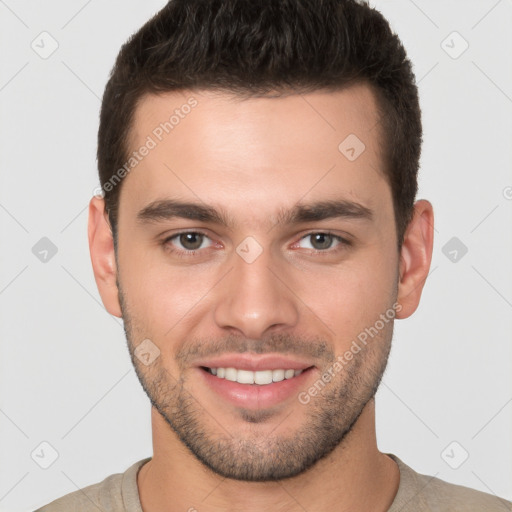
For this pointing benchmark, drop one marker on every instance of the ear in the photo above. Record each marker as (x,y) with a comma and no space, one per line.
(415,258)
(101,248)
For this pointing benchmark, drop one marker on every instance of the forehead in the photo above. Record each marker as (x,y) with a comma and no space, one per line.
(273,151)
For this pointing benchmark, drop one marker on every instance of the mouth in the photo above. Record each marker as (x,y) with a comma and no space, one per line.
(259,389)
(258,378)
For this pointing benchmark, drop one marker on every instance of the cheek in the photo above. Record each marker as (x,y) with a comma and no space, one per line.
(352,297)
(162,296)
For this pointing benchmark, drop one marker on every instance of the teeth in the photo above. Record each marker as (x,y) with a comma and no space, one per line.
(261,377)
(244,377)
(231,374)
(277,375)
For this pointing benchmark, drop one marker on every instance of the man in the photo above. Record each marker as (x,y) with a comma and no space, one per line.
(258,235)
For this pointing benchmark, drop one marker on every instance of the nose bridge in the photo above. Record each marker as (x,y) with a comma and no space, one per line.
(252,299)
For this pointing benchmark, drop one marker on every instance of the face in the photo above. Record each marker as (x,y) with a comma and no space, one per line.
(251,246)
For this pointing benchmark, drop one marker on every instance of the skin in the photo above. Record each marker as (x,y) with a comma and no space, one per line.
(253,159)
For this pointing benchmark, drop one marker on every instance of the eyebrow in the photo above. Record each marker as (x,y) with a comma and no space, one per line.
(322,210)
(168,209)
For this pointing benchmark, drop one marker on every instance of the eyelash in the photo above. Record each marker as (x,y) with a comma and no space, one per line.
(180,253)
(343,243)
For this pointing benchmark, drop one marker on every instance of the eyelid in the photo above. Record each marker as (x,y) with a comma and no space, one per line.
(343,240)
(184,232)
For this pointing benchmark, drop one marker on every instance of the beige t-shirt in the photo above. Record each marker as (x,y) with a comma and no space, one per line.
(416,493)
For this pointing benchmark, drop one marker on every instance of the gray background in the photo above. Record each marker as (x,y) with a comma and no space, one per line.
(66,377)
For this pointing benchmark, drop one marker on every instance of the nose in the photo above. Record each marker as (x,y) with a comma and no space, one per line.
(254,298)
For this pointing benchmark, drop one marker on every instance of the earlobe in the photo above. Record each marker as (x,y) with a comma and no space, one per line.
(415,258)
(101,248)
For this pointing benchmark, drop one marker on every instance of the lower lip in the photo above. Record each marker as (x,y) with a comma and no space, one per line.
(255,396)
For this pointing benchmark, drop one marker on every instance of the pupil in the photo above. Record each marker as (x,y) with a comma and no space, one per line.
(322,241)
(191,241)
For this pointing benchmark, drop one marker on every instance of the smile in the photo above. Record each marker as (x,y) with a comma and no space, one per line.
(260,377)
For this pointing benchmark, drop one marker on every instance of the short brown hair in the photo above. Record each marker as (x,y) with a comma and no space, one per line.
(253,49)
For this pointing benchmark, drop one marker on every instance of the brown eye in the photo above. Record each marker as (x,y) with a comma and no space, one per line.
(321,241)
(188,241)
(191,241)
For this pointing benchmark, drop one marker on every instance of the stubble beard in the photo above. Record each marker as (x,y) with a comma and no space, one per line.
(328,418)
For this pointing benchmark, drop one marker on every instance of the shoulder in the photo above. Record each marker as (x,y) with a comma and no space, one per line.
(418,493)
(102,496)
(113,494)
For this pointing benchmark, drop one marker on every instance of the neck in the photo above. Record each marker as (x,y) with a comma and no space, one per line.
(354,476)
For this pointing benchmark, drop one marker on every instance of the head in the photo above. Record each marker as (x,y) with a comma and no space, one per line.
(259,166)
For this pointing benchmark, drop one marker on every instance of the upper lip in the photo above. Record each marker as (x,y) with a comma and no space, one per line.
(255,363)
